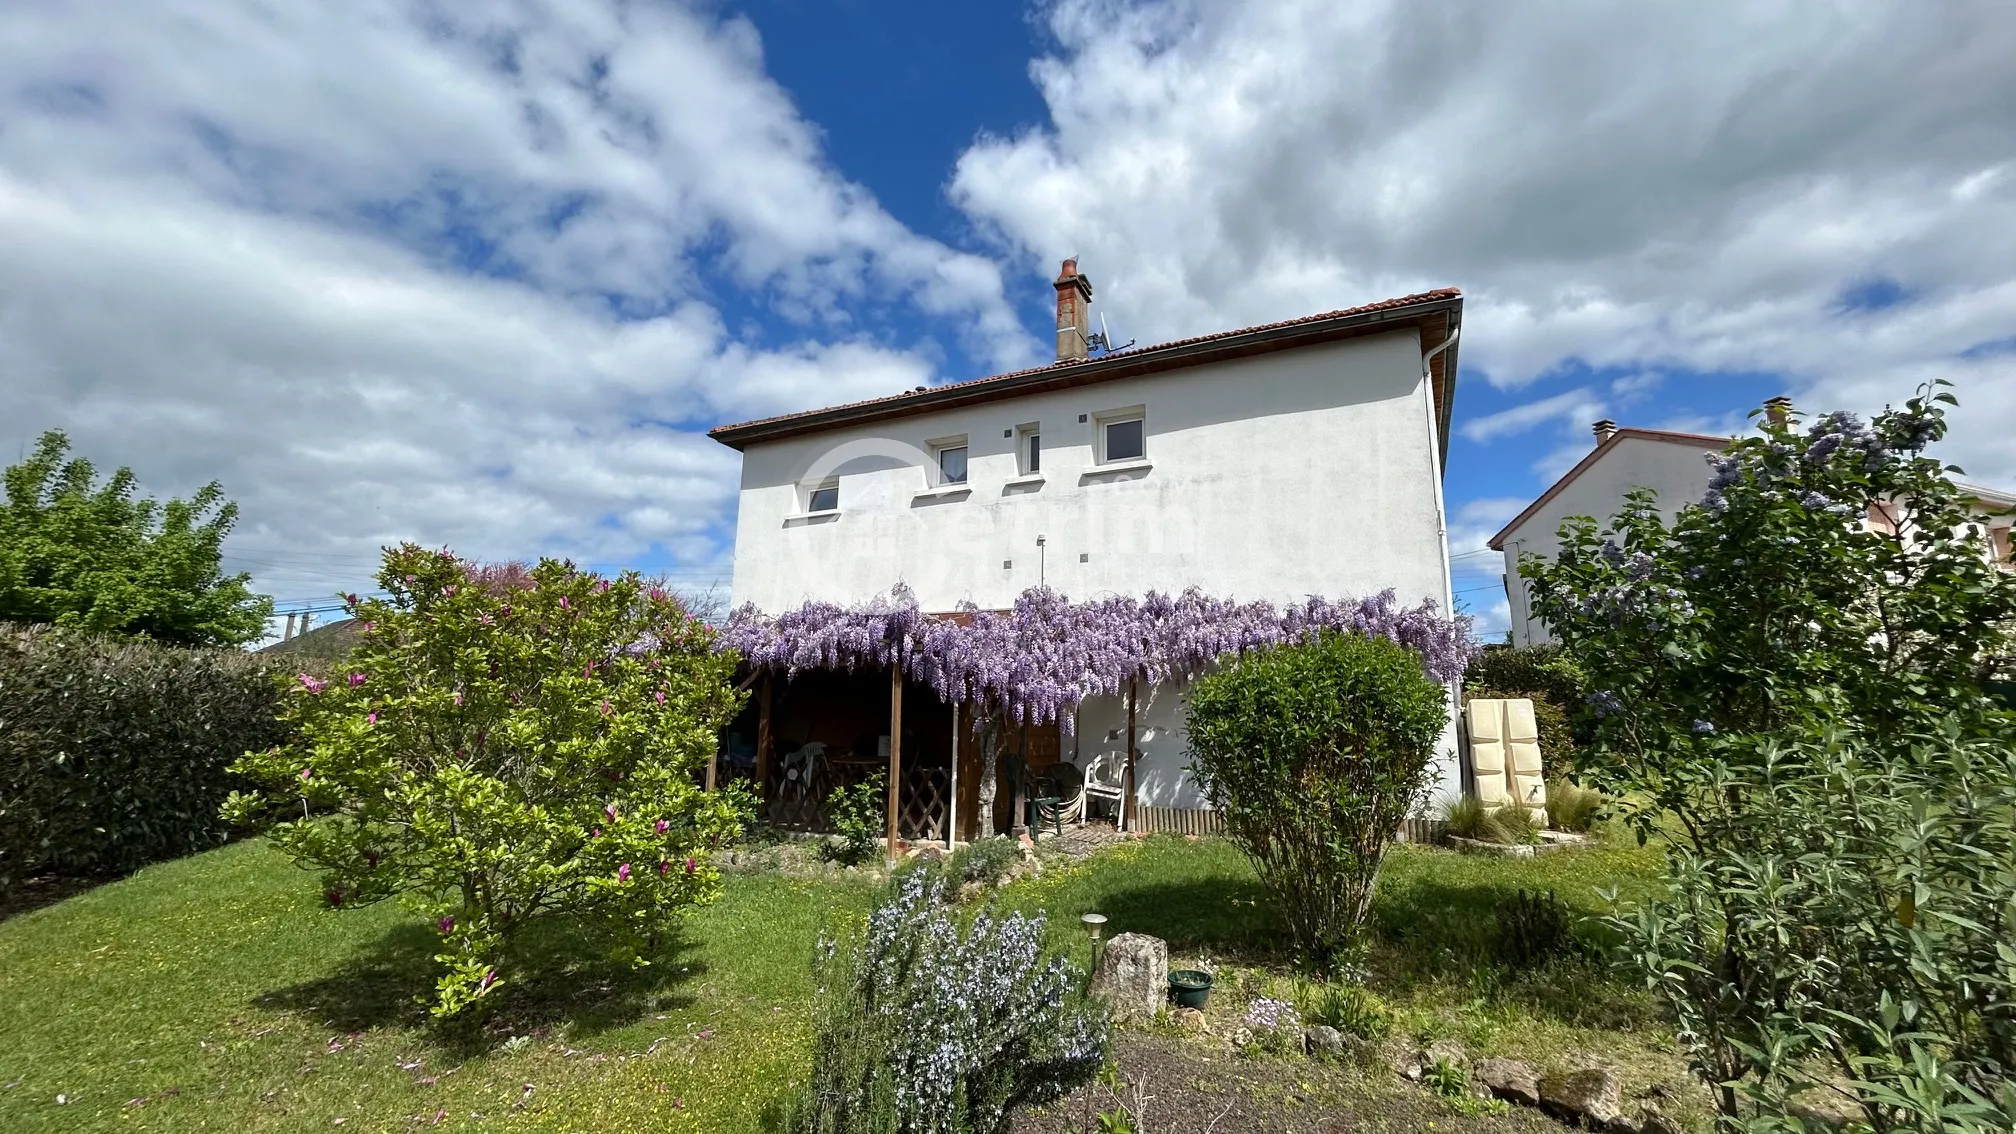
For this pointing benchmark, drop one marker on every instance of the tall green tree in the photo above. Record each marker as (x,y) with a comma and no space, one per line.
(95,555)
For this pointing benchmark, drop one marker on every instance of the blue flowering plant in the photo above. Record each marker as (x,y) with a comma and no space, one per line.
(928,1024)
(498,753)
(1790,689)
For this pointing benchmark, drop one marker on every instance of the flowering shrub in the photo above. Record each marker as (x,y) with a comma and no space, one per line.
(1795,699)
(927,1029)
(1313,754)
(499,755)
(1272,1025)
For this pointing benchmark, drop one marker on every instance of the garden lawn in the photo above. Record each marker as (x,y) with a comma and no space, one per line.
(215,993)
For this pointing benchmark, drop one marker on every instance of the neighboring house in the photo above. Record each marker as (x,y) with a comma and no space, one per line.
(1275,462)
(1675,467)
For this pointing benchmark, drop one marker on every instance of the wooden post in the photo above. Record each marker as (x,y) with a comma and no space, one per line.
(763,745)
(895,752)
(713,761)
(952,800)
(1127,805)
(1018,824)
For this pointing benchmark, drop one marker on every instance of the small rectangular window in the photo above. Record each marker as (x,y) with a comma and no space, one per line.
(825,498)
(1125,440)
(1028,449)
(952,464)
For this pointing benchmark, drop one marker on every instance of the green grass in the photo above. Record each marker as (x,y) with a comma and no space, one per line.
(217,990)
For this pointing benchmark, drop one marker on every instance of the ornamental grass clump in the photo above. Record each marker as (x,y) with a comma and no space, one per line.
(1313,754)
(925,1027)
(502,756)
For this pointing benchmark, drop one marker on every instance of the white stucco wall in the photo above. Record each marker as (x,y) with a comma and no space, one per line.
(1300,472)
(1677,471)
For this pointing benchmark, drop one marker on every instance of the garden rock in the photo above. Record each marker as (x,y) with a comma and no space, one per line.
(1513,1080)
(1653,1122)
(1191,1020)
(1134,976)
(1321,1039)
(1592,1095)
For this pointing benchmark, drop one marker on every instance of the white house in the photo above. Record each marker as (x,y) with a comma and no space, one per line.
(1675,467)
(1273,462)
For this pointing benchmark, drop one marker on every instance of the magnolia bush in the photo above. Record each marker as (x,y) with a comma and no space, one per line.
(926,1027)
(1787,685)
(500,752)
(1313,754)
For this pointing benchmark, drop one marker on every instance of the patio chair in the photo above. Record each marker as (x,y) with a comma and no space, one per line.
(1105,778)
(801,766)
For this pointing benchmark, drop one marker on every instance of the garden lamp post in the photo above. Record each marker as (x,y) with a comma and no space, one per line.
(1094,922)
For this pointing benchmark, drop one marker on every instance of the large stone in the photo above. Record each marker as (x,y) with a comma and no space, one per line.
(1322,1039)
(1134,976)
(1191,1020)
(1513,1080)
(1591,1095)
(1654,1122)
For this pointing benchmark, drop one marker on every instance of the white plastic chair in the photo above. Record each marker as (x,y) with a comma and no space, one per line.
(1106,778)
(799,767)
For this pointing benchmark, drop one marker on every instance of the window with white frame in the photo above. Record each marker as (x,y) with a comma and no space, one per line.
(1029,449)
(823,497)
(1123,436)
(950,456)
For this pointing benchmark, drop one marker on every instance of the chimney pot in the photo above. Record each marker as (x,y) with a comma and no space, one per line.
(1778,409)
(1604,430)
(1074,317)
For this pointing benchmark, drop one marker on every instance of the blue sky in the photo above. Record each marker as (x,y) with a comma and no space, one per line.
(482,275)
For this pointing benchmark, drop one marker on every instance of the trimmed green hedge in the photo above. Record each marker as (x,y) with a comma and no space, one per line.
(114,751)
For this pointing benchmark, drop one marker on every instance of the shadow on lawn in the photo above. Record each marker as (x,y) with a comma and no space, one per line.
(1225,916)
(559,974)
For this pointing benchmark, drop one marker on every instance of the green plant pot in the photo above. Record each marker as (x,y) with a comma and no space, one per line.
(1190,988)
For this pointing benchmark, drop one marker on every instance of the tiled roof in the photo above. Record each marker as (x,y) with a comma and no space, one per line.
(1124,363)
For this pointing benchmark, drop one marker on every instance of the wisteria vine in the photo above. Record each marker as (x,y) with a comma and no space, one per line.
(1037,661)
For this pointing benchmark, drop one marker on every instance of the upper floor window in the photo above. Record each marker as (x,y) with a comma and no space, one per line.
(1029,449)
(951,458)
(1122,437)
(824,498)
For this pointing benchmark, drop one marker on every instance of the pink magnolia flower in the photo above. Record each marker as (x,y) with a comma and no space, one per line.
(370,718)
(595,833)
(602,586)
(657,595)
(660,695)
(486,620)
(311,683)
(350,600)
(306,774)
(689,865)
(504,611)
(564,604)
(664,868)
(489,979)
(448,591)
(663,826)
(606,710)
(623,873)
(458,700)
(588,670)
(446,925)
(356,679)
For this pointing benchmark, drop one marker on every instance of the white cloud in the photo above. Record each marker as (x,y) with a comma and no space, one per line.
(1569,407)
(397,270)
(1647,185)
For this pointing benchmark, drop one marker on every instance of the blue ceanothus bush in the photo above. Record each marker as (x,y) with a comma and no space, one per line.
(1789,691)
(930,1027)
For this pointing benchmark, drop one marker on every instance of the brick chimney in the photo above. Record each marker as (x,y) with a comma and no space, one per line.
(1074,314)
(1604,430)
(1778,409)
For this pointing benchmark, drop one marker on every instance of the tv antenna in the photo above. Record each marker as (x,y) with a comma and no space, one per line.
(1102,341)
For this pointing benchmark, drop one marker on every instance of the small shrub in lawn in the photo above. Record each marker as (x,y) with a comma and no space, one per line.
(1445,1079)
(1273,1026)
(1313,753)
(1571,807)
(925,1027)
(1468,817)
(500,756)
(859,815)
(1353,1010)
(985,861)
(1533,928)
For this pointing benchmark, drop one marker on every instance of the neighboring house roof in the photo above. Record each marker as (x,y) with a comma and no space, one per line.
(1438,314)
(329,642)
(1994,497)
(1697,440)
